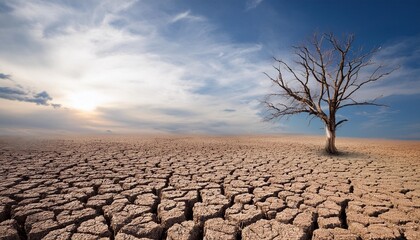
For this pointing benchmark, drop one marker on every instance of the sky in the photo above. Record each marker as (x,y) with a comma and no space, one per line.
(191,67)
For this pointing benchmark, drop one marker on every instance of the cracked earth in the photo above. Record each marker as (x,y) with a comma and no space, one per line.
(128,188)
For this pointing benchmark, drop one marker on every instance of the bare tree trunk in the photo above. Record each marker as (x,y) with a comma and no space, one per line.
(326,75)
(330,143)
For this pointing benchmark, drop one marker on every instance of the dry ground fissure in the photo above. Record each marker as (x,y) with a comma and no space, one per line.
(208,188)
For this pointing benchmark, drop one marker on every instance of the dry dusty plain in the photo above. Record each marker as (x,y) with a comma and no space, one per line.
(179,188)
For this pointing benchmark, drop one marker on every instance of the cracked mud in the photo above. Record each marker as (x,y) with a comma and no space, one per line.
(208,188)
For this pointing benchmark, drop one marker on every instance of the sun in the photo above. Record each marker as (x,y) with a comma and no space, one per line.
(86,101)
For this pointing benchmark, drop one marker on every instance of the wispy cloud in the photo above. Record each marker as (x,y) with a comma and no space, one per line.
(157,75)
(404,54)
(4,76)
(144,67)
(18,93)
(379,118)
(186,16)
(250,4)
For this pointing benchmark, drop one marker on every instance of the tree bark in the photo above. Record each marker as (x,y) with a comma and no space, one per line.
(330,143)
(326,75)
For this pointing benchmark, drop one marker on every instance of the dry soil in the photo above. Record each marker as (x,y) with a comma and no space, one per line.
(208,188)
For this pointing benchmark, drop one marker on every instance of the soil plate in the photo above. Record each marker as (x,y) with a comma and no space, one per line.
(188,188)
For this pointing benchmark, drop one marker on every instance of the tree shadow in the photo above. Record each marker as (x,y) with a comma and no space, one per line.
(345,154)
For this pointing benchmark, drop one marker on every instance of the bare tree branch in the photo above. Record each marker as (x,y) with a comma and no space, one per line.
(326,73)
(340,122)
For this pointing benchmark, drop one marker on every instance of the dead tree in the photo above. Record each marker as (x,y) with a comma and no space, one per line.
(326,77)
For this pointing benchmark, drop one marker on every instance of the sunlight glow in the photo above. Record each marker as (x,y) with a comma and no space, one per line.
(86,101)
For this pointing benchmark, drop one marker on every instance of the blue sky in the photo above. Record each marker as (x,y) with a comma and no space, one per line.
(190,66)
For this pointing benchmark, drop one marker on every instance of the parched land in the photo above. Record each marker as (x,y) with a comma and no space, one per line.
(208,188)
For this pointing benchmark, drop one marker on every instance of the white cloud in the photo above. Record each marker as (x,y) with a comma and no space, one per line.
(142,71)
(250,4)
(138,73)
(403,81)
(186,16)
(401,56)
(382,117)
